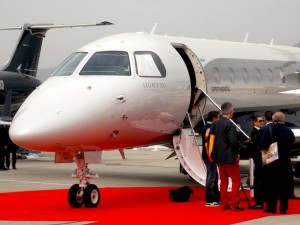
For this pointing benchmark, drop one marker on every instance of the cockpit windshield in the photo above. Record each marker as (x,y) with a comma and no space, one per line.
(109,63)
(68,66)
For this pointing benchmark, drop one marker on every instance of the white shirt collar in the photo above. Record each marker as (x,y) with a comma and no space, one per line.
(257,127)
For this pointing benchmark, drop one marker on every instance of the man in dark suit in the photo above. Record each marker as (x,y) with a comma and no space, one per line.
(226,155)
(259,187)
(277,172)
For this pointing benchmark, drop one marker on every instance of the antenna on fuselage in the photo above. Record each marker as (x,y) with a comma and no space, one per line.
(246,38)
(153,31)
(272,41)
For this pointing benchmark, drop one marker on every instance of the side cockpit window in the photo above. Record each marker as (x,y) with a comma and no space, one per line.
(67,67)
(109,63)
(148,64)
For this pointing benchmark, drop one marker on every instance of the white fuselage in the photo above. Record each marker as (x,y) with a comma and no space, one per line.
(77,111)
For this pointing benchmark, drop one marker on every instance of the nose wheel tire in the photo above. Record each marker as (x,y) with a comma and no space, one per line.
(91,196)
(75,197)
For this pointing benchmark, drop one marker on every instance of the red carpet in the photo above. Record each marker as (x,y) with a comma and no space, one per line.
(125,206)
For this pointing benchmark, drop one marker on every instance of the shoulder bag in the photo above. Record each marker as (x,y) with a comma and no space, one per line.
(271,154)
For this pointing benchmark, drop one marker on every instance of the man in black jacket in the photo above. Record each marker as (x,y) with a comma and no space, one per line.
(259,174)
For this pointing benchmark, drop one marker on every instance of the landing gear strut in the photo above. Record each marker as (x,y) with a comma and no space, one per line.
(84,192)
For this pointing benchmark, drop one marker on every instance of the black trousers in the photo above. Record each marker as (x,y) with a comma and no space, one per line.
(277,174)
(260,185)
(14,157)
(2,157)
(11,148)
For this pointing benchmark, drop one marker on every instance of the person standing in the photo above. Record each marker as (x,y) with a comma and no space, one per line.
(259,186)
(212,193)
(277,172)
(10,148)
(2,148)
(268,117)
(226,155)
(291,194)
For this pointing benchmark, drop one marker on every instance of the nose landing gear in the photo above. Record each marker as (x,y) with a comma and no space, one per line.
(89,196)
(84,192)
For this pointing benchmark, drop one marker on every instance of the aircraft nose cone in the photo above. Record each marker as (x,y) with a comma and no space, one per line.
(23,129)
(31,130)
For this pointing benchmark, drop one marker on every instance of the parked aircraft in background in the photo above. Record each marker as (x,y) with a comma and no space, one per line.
(140,89)
(19,74)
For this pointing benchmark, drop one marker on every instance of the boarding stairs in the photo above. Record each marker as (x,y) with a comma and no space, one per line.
(188,144)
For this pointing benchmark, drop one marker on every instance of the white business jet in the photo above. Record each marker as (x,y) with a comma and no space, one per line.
(140,89)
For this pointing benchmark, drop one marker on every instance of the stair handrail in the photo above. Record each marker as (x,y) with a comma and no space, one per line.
(240,129)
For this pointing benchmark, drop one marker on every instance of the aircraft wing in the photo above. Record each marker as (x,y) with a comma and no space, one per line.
(4,123)
(295,92)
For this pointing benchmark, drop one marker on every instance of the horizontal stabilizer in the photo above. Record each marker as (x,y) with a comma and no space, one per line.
(51,26)
(11,28)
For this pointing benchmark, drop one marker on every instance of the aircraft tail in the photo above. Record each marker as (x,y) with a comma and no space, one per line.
(26,56)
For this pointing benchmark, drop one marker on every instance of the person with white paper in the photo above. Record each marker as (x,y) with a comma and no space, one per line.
(277,172)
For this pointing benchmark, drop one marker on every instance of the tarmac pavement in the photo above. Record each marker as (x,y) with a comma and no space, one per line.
(144,167)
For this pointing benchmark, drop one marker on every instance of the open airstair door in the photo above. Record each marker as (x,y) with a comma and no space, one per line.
(188,144)
(188,149)
(198,81)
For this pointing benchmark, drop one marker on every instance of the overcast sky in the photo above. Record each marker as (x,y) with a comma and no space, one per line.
(211,19)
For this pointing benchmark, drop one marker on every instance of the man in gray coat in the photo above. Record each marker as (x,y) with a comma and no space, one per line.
(226,155)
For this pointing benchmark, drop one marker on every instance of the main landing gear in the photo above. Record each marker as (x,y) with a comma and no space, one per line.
(84,192)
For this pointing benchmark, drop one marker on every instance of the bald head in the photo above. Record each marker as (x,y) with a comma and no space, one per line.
(278,117)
